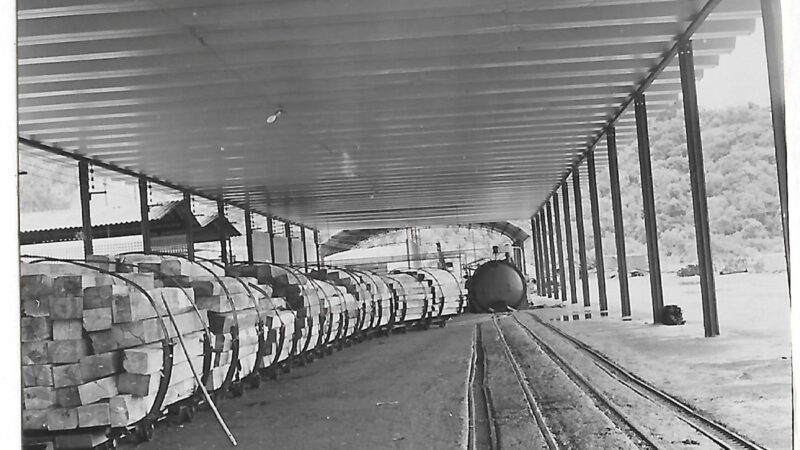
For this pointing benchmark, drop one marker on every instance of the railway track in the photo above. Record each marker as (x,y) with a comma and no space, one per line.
(724,437)
(530,399)
(616,415)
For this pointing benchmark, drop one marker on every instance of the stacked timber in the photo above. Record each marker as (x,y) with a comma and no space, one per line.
(445,289)
(382,298)
(304,323)
(92,351)
(366,312)
(232,308)
(414,297)
(344,308)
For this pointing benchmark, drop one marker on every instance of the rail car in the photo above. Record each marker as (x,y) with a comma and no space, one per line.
(495,286)
(185,334)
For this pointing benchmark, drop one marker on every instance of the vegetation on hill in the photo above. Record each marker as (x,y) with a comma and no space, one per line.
(741,185)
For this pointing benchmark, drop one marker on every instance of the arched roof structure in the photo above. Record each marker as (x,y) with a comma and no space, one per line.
(348,239)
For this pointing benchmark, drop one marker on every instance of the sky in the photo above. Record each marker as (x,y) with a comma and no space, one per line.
(740,77)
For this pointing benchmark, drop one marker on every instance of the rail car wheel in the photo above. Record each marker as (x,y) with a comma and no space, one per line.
(187,412)
(237,389)
(145,431)
(329,350)
(111,444)
(255,381)
(442,324)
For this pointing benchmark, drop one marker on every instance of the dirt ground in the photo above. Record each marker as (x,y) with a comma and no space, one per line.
(398,392)
(742,377)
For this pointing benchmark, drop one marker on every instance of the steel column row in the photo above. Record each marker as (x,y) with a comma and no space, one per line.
(584,274)
(554,279)
(536,264)
(546,254)
(598,238)
(694,147)
(557,225)
(649,207)
(619,233)
(573,287)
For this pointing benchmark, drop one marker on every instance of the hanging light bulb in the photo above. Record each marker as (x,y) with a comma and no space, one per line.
(274,117)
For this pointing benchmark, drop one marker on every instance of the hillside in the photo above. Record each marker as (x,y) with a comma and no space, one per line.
(741,183)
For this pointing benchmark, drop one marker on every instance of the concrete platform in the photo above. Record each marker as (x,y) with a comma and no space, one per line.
(743,377)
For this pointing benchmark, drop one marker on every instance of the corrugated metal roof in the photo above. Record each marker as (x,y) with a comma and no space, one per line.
(422,111)
(121,214)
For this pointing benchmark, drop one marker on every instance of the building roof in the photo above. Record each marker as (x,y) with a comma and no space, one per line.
(166,219)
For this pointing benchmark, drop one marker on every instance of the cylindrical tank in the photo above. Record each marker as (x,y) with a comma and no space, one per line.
(495,286)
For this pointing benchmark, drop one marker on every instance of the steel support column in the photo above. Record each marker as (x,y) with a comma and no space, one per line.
(536,264)
(223,239)
(189,223)
(144,211)
(287,228)
(649,208)
(305,249)
(771,16)
(559,246)
(598,238)
(248,231)
(551,245)
(542,275)
(573,288)
(619,229)
(545,254)
(316,245)
(86,211)
(697,173)
(271,234)
(583,270)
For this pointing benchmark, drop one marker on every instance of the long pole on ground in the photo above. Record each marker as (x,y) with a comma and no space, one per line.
(573,287)
(596,231)
(197,378)
(697,174)
(649,207)
(619,229)
(584,274)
